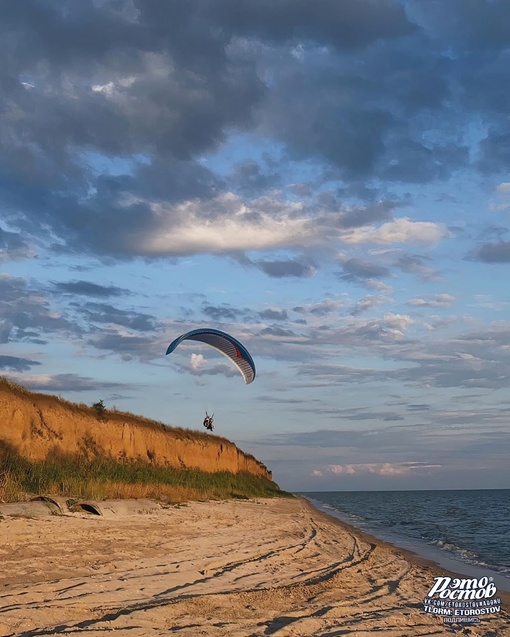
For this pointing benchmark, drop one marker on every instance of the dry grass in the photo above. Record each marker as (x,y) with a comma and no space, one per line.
(92,475)
(104,478)
(115,415)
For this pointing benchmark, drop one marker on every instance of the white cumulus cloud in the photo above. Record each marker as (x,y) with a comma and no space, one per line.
(401,230)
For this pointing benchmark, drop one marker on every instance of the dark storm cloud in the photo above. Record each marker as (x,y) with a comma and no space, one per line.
(354,139)
(167,179)
(155,86)
(250,178)
(87,288)
(494,149)
(376,117)
(158,80)
(480,25)
(347,25)
(17,364)
(146,78)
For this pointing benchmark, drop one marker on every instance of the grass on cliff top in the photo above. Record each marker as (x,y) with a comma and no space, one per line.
(102,478)
(114,415)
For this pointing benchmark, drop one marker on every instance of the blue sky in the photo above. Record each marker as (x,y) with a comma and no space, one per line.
(326,181)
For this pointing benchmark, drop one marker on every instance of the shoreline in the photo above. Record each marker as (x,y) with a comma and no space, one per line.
(436,568)
(441,559)
(244,568)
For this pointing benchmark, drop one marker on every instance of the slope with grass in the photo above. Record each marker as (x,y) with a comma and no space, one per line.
(50,444)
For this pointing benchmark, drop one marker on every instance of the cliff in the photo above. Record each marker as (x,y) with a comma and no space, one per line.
(37,424)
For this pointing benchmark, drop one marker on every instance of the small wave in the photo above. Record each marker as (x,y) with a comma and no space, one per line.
(467,556)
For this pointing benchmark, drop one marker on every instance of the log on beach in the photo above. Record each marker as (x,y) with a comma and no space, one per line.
(237,568)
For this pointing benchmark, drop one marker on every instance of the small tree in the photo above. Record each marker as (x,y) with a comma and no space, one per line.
(100,410)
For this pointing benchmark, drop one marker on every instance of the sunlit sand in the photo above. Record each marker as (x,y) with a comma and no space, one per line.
(233,568)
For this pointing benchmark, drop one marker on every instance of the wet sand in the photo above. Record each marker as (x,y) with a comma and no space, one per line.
(220,569)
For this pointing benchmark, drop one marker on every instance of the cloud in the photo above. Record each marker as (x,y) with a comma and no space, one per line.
(494,252)
(197,361)
(127,346)
(501,202)
(397,231)
(367,303)
(286,268)
(435,300)
(346,26)
(302,267)
(108,314)
(416,264)
(360,271)
(222,313)
(17,364)
(249,178)
(87,288)
(120,144)
(382,469)
(63,382)
(13,247)
(321,308)
(358,216)
(26,315)
(226,224)
(198,366)
(273,315)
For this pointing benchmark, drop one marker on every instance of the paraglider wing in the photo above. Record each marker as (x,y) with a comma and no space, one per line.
(224,343)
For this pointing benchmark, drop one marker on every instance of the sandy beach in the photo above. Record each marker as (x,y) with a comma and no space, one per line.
(234,568)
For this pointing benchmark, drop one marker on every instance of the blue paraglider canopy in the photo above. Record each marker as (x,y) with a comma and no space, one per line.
(224,343)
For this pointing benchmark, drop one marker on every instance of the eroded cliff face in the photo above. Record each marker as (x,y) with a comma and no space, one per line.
(35,425)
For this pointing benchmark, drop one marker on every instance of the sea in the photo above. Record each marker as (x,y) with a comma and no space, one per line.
(465,531)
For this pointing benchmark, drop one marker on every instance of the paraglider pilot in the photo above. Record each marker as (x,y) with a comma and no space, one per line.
(208,422)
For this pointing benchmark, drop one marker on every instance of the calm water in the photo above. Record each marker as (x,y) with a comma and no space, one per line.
(470,526)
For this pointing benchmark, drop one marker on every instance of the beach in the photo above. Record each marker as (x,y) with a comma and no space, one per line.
(219,568)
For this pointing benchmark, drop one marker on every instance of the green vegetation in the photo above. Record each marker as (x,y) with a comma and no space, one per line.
(100,409)
(102,478)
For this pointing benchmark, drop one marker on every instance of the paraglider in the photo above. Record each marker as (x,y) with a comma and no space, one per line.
(229,347)
(224,343)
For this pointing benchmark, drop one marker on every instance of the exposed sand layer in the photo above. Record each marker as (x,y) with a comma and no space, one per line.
(225,569)
(36,425)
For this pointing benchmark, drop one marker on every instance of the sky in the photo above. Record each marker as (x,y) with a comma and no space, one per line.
(326,181)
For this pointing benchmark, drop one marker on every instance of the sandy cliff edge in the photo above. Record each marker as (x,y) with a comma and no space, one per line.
(36,425)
